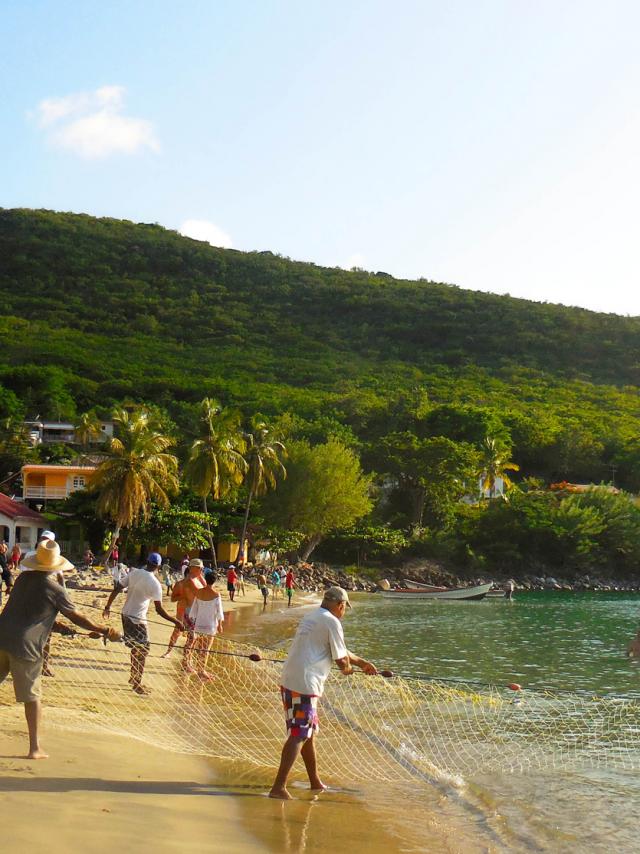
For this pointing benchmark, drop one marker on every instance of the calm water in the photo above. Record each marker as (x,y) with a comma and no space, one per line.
(544,641)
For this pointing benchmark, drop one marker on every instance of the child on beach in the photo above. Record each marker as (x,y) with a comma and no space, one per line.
(289,584)
(208,619)
(262,584)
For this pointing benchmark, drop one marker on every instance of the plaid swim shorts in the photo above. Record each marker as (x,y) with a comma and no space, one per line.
(135,633)
(301,712)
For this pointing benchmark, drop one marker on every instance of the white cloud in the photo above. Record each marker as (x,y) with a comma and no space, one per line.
(355,260)
(92,125)
(200,229)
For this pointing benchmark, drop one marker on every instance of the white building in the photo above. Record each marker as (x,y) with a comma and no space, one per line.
(19,524)
(48,432)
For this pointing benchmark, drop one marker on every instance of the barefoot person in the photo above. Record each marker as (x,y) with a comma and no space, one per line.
(183,594)
(25,625)
(208,618)
(142,588)
(318,642)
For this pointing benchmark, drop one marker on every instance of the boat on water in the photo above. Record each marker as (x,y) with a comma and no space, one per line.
(425,591)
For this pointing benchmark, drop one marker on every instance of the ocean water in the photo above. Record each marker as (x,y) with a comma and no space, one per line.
(561,643)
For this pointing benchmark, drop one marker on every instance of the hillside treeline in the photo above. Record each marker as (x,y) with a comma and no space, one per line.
(412,376)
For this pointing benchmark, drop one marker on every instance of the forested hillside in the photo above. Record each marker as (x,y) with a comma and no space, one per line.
(98,312)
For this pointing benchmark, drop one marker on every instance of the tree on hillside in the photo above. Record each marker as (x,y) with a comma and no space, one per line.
(215,464)
(264,465)
(15,449)
(494,464)
(325,490)
(435,472)
(136,471)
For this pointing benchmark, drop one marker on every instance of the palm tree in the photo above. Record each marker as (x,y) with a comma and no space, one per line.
(215,464)
(494,464)
(263,467)
(136,471)
(88,427)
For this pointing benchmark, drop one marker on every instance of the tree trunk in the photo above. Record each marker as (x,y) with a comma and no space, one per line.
(245,525)
(310,545)
(114,540)
(213,549)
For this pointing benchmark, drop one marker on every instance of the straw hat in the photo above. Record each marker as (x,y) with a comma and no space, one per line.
(47,558)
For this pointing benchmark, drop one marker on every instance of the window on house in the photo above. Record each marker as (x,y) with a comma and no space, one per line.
(78,482)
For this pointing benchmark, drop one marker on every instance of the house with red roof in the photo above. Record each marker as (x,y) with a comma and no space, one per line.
(19,524)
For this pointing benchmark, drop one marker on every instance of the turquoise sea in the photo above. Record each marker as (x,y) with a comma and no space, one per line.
(561,643)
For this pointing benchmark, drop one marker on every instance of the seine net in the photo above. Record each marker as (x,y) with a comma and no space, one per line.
(372,728)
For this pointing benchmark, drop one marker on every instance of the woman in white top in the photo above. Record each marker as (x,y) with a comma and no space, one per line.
(208,617)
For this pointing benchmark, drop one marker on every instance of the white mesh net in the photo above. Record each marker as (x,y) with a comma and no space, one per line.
(372,728)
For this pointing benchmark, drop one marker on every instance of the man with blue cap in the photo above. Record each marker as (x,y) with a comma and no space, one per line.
(142,588)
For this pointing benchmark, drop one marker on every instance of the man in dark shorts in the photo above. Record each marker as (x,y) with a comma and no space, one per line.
(25,625)
(319,641)
(5,573)
(142,588)
(232,578)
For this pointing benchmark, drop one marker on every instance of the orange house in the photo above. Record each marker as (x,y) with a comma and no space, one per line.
(43,482)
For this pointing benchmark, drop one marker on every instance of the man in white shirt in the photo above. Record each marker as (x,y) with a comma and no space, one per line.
(142,588)
(319,641)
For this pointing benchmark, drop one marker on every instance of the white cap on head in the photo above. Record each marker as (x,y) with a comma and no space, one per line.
(335,595)
(47,535)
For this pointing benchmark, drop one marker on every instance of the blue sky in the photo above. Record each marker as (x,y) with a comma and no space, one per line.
(493,145)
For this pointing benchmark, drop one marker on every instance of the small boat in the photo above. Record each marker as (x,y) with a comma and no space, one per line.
(424,591)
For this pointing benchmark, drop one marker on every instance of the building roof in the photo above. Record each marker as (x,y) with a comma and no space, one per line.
(36,467)
(15,509)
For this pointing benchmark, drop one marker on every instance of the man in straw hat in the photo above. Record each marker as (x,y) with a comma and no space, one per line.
(142,588)
(25,625)
(319,641)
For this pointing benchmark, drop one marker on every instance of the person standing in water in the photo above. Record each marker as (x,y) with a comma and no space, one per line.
(319,641)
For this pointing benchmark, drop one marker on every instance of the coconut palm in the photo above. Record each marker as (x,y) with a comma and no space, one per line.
(264,465)
(494,463)
(215,464)
(136,471)
(88,427)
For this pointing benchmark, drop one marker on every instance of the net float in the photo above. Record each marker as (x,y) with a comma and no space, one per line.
(255,657)
(513,686)
(386,673)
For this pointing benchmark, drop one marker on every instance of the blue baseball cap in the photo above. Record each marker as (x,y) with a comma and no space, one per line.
(155,559)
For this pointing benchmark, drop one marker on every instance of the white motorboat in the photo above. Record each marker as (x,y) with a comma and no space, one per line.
(424,591)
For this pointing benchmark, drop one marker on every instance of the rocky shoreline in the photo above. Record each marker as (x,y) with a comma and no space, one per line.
(317,576)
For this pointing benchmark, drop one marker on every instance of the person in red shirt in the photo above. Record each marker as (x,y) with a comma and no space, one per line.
(289,584)
(231,581)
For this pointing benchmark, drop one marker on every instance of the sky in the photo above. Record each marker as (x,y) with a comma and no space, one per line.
(492,145)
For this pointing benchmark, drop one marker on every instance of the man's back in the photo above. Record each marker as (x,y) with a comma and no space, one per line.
(319,641)
(142,588)
(27,619)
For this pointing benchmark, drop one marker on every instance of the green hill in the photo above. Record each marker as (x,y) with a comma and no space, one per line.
(98,310)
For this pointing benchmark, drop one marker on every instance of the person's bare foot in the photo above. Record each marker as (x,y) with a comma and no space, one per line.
(281,794)
(166,654)
(37,754)
(206,677)
(47,671)
(317,786)
(188,668)
(140,689)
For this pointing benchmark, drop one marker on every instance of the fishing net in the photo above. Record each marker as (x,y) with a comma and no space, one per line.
(372,728)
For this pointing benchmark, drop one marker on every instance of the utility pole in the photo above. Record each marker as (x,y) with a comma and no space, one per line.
(614,469)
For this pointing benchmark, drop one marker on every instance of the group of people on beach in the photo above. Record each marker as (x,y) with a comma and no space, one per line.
(39,596)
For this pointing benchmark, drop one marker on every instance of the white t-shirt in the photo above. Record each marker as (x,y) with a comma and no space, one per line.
(207,614)
(319,642)
(142,588)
